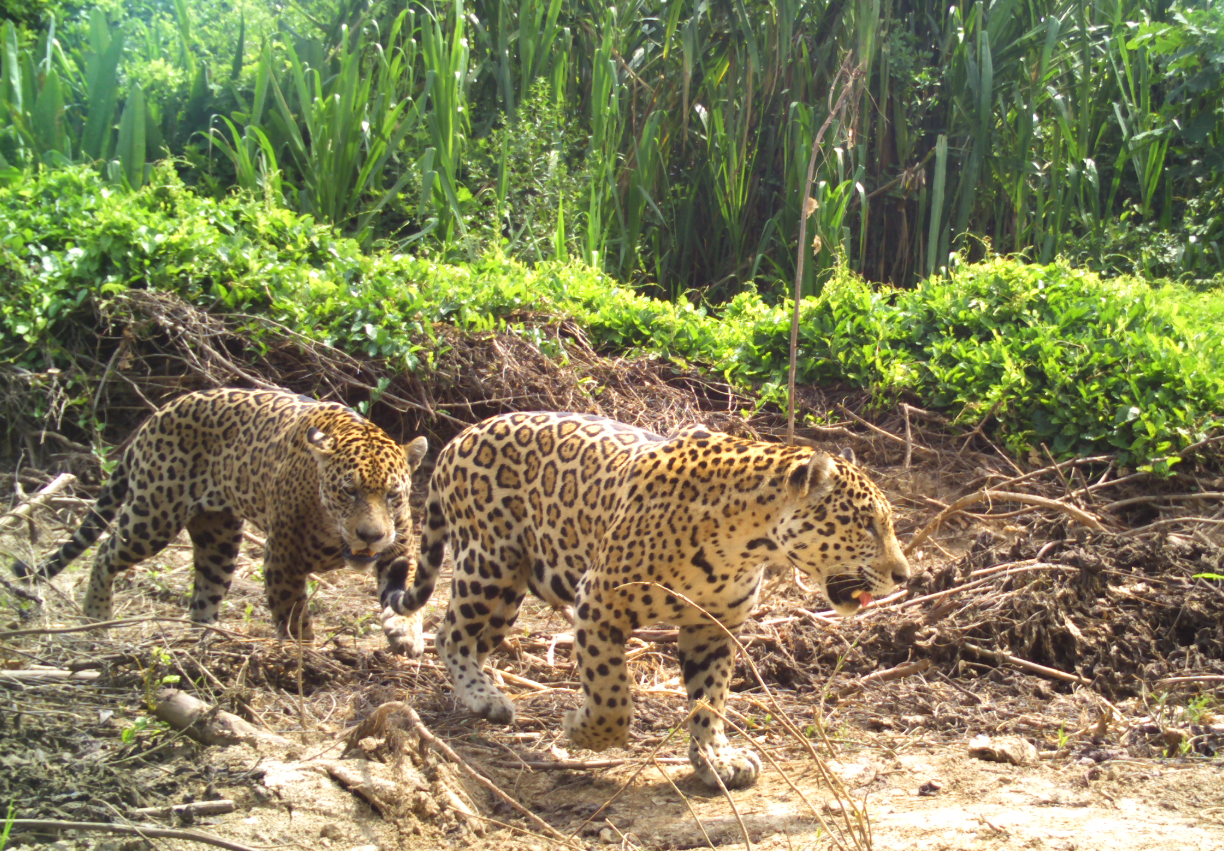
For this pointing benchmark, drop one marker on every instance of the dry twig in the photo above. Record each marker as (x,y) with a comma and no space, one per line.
(56,825)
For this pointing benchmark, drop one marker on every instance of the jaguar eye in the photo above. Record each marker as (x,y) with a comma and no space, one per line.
(348,489)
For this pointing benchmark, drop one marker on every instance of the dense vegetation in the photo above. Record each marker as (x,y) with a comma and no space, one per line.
(1047,354)
(663,141)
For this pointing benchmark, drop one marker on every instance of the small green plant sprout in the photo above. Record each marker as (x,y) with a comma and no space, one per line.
(8,825)
(1199,709)
(161,658)
(1218,577)
(137,727)
(1063,738)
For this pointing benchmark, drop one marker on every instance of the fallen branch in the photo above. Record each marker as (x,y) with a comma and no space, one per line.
(987,495)
(28,674)
(979,578)
(64,630)
(55,825)
(23,511)
(206,724)
(1202,678)
(1000,656)
(1173,497)
(906,670)
(192,810)
(590,764)
(427,736)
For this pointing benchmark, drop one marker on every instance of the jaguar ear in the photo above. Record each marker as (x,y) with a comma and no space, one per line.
(847,454)
(415,451)
(320,444)
(813,475)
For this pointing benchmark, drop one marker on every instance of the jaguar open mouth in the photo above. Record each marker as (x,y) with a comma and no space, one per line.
(359,556)
(847,592)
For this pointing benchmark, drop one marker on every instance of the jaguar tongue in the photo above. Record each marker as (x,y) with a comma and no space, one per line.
(864,598)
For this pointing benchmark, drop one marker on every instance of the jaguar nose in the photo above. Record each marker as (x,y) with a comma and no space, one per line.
(900,578)
(369,534)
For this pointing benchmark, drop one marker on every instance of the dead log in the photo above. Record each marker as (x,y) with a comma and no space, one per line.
(206,724)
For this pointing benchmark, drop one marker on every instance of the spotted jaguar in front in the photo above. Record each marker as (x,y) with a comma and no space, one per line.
(633,528)
(328,487)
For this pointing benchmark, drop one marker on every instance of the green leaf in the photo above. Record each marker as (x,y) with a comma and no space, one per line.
(131,148)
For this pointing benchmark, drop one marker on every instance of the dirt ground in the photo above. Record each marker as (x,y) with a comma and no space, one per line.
(1125,759)
(1088,648)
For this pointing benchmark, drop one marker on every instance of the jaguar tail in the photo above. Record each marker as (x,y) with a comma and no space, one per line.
(94,524)
(433,546)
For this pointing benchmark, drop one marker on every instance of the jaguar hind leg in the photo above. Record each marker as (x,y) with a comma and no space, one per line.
(485,600)
(707,657)
(140,532)
(285,582)
(216,537)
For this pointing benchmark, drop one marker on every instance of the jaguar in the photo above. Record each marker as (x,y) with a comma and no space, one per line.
(327,486)
(632,528)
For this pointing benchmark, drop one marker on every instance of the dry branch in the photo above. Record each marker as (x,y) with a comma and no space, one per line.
(906,670)
(921,450)
(34,674)
(192,810)
(1201,678)
(55,825)
(987,495)
(1054,673)
(23,511)
(426,735)
(206,724)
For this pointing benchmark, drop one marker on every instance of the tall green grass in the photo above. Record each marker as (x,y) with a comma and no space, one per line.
(1083,128)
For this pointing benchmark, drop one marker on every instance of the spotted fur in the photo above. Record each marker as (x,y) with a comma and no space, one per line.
(328,487)
(632,529)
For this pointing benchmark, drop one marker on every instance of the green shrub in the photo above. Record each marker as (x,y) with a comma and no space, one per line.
(1055,356)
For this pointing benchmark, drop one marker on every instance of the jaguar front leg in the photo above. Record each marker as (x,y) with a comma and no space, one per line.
(707,659)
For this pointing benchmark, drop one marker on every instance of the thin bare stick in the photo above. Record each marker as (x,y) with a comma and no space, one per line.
(687,803)
(1157,497)
(62,630)
(1054,673)
(590,764)
(20,593)
(780,714)
(650,757)
(57,825)
(1202,678)
(986,495)
(919,448)
(909,437)
(727,794)
(197,808)
(794,788)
